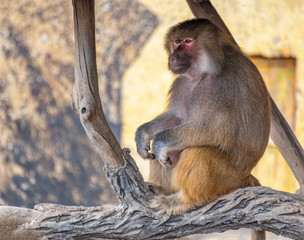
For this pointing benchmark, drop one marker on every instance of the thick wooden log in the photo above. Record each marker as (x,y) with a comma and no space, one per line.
(257,208)
(14,222)
(281,133)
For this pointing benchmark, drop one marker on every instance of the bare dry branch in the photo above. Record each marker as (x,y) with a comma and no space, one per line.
(85,99)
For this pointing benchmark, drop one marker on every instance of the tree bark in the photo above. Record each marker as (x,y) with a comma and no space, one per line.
(258,208)
(287,143)
(85,99)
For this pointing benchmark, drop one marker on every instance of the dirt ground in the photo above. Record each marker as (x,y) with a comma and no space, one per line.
(242,234)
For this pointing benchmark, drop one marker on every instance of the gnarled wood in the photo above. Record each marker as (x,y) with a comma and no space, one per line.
(280,133)
(257,208)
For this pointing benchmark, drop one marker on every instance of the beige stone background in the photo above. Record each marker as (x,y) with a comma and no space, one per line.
(45,155)
(270,31)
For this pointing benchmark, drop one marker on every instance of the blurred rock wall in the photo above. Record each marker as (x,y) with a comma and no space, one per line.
(45,155)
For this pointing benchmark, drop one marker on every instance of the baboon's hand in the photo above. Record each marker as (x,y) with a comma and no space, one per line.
(143,144)
(160,149)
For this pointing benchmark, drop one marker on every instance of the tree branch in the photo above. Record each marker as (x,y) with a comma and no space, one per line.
(288,144)
(258,208)
(85,99)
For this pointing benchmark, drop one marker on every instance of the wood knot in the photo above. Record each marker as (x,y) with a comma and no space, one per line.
(87,109)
